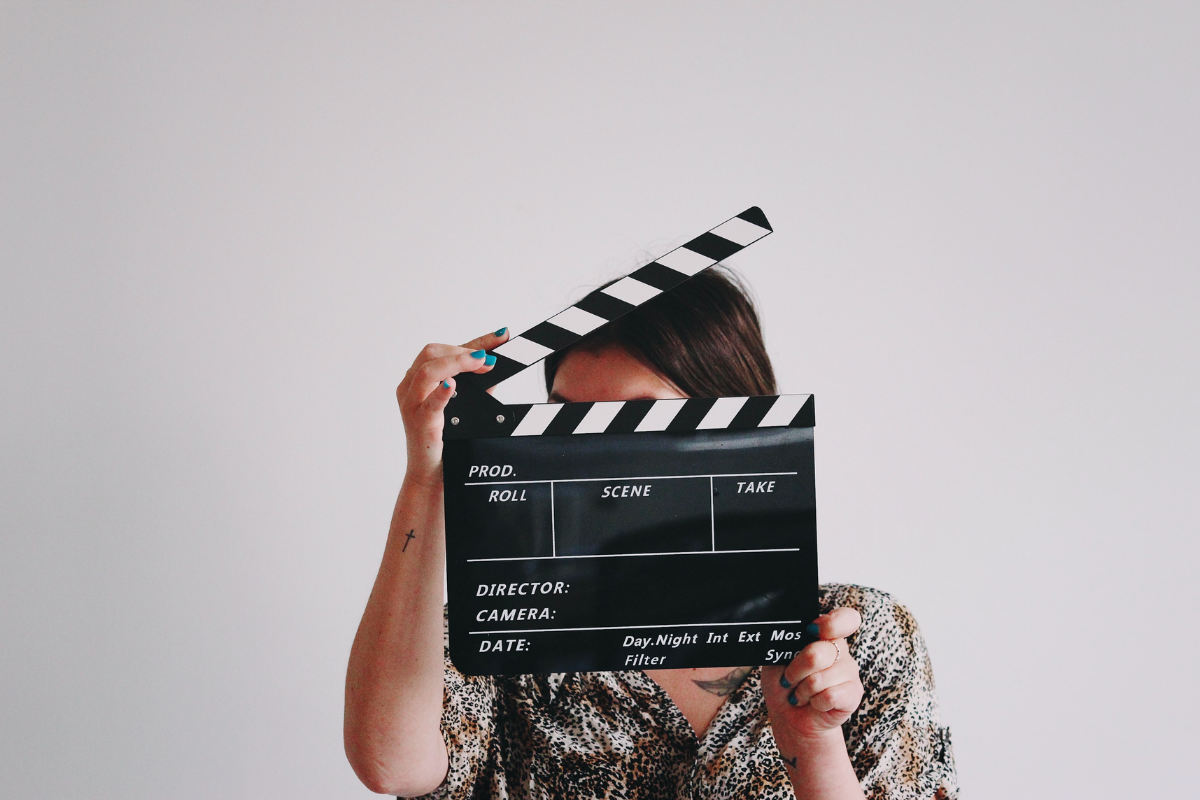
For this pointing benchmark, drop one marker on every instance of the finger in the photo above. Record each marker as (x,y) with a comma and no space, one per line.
(427,377)
(431,407)
(837,624)
(844,671)
(814,658)
(842,699)
(433,350)
(488,340)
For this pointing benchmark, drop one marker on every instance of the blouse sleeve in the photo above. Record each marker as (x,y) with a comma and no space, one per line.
(896,740)
(468,726)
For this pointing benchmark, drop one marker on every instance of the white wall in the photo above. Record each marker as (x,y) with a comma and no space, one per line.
(226,230)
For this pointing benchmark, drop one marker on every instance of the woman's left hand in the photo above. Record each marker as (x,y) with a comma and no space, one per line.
(808,700)
(820,688)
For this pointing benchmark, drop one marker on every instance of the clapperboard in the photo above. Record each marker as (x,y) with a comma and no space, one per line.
(647,534)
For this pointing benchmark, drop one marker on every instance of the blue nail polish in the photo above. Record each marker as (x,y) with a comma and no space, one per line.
(479,354)
(445,384)
(792,699)
(813,629)
(501,331)
(490,360)
(783,681)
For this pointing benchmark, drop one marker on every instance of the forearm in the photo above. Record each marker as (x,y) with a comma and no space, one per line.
(394,682)
(819,767)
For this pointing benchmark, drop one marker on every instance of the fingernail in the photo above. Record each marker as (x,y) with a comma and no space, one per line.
(501,331)
(445,384)
(783,681)
(813,629)
(489,360)
(478,354)
(792,699)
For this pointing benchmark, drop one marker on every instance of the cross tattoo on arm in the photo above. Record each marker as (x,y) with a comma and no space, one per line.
(409,537)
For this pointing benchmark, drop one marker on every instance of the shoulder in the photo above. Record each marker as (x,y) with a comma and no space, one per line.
(864,598)
(878,608)
(889,630)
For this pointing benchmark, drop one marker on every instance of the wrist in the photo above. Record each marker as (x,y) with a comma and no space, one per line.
(813,743)
(424,478)
(818,764)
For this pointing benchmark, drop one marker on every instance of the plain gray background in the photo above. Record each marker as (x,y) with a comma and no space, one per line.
(227,229)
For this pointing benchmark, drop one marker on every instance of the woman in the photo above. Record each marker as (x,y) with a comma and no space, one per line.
(853,715)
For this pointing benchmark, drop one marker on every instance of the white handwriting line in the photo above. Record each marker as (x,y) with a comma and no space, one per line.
(640,627)
(627,555)
(712,513)
(635,478)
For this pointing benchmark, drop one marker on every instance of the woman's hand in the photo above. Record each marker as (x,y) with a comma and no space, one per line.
(395,681)
(427,387)
(809,699)
(820,688)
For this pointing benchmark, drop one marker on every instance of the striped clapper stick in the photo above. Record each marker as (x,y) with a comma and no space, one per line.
(603,305)
(627,535)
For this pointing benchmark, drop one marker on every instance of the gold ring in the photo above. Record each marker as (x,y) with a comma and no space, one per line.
(836,650)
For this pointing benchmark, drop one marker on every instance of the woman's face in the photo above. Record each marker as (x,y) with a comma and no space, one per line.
(607,374)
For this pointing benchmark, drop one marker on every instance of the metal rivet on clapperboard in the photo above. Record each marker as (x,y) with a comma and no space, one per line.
(499,418)
(454,420)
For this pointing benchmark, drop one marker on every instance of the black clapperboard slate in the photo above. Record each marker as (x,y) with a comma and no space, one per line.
(648,534)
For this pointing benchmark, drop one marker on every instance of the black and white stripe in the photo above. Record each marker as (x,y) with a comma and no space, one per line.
(611,302)
(639,416)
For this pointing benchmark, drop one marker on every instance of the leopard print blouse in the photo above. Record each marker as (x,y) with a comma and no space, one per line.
(618,734)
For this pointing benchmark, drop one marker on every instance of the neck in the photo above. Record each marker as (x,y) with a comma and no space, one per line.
(699,693)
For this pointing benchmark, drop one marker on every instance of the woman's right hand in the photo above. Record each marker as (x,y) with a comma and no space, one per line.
(394,681)
(424,392)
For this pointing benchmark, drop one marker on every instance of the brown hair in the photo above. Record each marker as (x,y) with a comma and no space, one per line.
(703,336)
